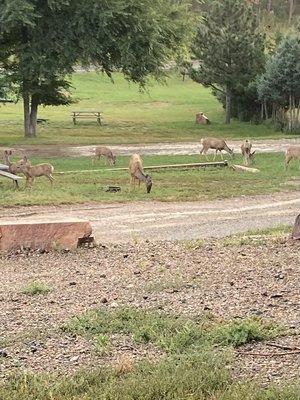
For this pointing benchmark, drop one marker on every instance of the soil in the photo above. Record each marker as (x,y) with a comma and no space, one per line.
(184,148)
(125,222)
(260,279)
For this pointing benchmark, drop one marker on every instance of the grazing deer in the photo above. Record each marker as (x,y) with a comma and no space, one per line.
(34,171)
(216,144)
(246,152)
(12,167)
(137,172)
(292,152)
(105,152)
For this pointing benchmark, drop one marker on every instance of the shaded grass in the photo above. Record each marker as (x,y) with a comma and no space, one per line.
(165,113)
(168,185)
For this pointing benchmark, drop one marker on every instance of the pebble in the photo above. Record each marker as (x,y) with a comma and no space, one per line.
(3,354)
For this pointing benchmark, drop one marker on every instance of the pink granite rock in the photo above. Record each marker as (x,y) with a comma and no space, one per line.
(43,235)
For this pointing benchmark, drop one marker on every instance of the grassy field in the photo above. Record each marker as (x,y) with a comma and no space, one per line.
(168,185)
(165,113)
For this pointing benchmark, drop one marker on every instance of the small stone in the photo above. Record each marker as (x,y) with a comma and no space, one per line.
(72,283)
(104,300)
(3,354)
(276,296)
(102,275)
(145,297)
(125,255)
(114,304)
(74,359)
(206,308)
(136,272)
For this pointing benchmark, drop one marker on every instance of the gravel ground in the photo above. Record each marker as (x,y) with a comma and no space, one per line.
(235,281)
(185,148)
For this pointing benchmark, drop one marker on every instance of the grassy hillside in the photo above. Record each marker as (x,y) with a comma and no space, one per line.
(163,113)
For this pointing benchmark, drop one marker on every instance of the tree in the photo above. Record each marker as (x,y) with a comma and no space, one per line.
(42,40)
(280,84)
(230,49)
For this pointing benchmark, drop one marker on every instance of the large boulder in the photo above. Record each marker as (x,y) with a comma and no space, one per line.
(43,235)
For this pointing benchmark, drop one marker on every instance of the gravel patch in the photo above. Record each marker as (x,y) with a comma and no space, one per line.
(209,278)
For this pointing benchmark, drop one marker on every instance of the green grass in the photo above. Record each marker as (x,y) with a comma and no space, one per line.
(257,236)
(172,334)
(192,369)
(165,113)
(34,288)
(168,185)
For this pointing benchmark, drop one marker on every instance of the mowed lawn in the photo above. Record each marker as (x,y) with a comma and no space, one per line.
(163,113)
(168,185)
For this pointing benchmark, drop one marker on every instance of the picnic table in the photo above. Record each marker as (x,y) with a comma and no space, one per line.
(87,114)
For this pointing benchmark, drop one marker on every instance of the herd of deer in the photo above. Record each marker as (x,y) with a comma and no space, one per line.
(136,169)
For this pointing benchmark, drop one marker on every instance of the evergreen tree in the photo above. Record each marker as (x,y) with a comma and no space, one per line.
(230,49)
(280,84)
(42,40)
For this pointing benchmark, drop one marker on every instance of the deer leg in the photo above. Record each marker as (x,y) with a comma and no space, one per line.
(51,179)
(221,155)
(215,155)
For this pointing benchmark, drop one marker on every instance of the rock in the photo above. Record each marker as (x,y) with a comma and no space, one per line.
(74,359)
(3,354)
(72,283)
(42,235)
(136,272)
(104,300)
(102,275)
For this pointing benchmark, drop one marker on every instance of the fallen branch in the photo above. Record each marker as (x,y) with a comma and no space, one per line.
(284,347)
(269,354)
(236,167)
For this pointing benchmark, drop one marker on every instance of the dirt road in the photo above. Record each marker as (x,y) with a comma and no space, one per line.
(124,222)
(185,148)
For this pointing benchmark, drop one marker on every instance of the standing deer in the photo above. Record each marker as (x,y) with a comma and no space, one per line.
(215,144)
(12,167)
(292,152)
(137,172)
(246,152)
(105,152)
(34,171)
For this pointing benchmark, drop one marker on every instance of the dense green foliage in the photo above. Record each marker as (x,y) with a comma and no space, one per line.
(41,42)
(231,49)
(279,86)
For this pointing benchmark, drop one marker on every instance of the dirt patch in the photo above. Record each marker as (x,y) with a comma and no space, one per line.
(194,279)
(185,148)
(124,222)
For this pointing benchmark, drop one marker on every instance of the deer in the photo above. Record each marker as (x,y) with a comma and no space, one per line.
(136,172)
(292,152)
(34,171)
(216,144)
(246,152)
(105,152)
(12,167)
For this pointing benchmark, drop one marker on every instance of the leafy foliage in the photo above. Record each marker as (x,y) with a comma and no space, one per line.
(41,42)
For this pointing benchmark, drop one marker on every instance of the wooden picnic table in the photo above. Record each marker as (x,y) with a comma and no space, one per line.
(87,114)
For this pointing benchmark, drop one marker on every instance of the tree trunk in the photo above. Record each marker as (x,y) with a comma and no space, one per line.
(26,107)
(33,116)
(270,5)
(291,10)
(30,115)
(228,105)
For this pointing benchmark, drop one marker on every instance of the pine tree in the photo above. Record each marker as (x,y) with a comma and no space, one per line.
(230,48)
(280,84)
